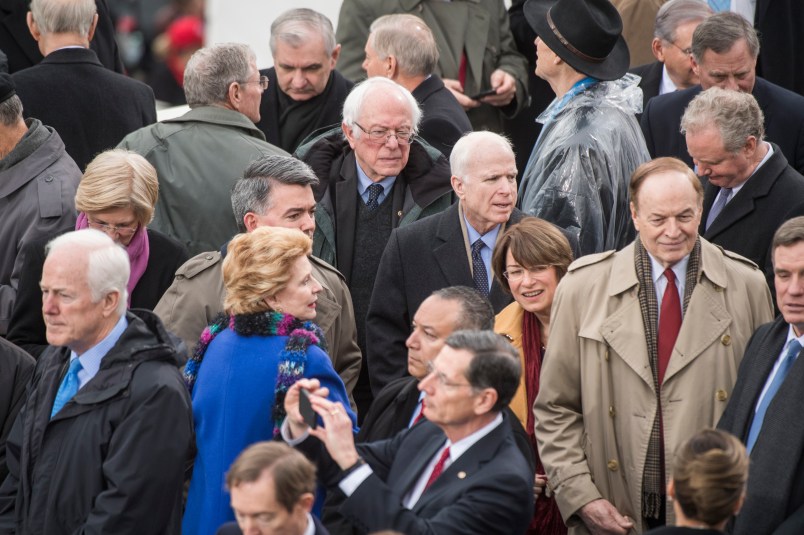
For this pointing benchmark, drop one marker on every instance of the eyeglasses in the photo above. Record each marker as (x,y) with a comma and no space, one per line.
(516,274)
(382,135)
(263,81)
(687,51)
(441,378)
(123,232)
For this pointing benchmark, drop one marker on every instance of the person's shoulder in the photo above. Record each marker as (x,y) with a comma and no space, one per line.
(673,102)
(199,264)
(590,262)
(326,271)
(230,528)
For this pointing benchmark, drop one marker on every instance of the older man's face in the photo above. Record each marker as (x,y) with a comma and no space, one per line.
(722,168)
(735,69)
(666,214)
(434,321)
(487,189)
(72,319)
(788,268)
(303,72)
(676,57)
(450,397)
(386,111)
(251,94)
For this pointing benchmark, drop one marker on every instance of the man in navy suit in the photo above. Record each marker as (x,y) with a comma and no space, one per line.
(401,47)
(765,407)
(724,54)
(459,472)
(273,489)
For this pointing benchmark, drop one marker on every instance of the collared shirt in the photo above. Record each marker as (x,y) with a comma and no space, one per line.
(92,357)
(310,529)
(660,281)
(791,335)
(363,182)
(489,239)
(736,189)
(667,85)
(558,104)
(746,8)
(418,409)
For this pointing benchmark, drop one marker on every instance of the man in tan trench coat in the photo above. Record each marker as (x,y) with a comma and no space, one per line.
(611,409)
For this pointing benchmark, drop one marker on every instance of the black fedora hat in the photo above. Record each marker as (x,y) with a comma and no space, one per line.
(587,34)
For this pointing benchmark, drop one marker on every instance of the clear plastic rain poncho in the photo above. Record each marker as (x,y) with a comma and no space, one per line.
(578,173)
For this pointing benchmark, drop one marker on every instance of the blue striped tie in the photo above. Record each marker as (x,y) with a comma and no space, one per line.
(479,273)
(68,388)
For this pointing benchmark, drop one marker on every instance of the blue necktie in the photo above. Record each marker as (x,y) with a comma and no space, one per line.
(479,273)
(374,192)
(720,203)
(68,388)
(792,352)
(719,5)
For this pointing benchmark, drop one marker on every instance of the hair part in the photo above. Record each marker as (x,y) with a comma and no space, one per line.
(676,13)
(409,40)
(710,471)
(252,193)
(107,268)
(64,16)
(662,165)
(119,178)
(297,26)
(11,111)
(259,265)
(292,473)
(461,158)
(476,311)
(495,363)
(377,87)
(211,70)
(532,242)
(735,114)
(720,32)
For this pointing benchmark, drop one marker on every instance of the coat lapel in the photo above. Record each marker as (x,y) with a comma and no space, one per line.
(346,216)
(449,249)
(419,462)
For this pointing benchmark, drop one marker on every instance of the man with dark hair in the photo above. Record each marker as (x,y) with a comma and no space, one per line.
(724,54)
(765,408)
(38,180)
(644,344)
(459,472)
(199,155)
(273,489)
(305,92)
(401,47)
(91,107)
(275,191)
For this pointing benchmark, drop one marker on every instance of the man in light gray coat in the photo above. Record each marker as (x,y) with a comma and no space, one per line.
(199,155)
(37,189)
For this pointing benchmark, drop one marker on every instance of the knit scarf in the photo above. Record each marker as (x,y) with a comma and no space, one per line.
(292,359)
(653,480)
(138,250)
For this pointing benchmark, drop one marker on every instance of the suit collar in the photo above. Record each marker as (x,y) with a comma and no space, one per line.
(428,87)
(72,55)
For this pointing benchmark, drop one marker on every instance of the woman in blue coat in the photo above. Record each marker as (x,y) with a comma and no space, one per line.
(247,359)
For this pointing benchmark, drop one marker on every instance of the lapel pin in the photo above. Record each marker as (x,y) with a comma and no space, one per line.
(461,474)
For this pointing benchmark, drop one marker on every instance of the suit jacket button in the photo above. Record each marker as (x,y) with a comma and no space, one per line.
(721,395)
(725,340)
(612,412)
(606,355)
(613,465)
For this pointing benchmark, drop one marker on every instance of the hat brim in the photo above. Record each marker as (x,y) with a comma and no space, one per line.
(613,67)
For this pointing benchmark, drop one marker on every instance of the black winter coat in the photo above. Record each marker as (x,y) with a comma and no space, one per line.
(113,458)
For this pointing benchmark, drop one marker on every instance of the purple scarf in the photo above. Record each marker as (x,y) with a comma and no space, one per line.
(137,249)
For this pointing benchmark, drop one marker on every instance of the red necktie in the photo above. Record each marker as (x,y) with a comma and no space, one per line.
(669,323)
(438,468)
(420,416)
(462,70)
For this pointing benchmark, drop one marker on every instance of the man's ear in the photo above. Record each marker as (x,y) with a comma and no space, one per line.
(457,186)
(657,49)
(390,66)
(32,27)
(110,301)
(92,27)
(250,221)
(485,401)
(348,132)
(336,53)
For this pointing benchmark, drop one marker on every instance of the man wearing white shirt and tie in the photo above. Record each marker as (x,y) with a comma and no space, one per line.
(765,408)
(749,186)
(459,472)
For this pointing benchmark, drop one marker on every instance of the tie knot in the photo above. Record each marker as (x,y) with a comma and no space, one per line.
(794,348)
(670,276)
(477,246)
(374,192)
(75,367)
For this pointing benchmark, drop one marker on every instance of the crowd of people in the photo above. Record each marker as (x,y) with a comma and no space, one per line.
(322,304)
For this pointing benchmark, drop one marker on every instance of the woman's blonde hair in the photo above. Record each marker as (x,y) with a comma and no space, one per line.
(709,475)
(119,178)
(258,265)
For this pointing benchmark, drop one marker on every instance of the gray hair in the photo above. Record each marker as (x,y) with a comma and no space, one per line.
(789,233)
(476,311)
(720,31)
(60,16)
(252,193)
(467,146)
(295,27)
(677,12)
(409,40)
(211,70)
(354,102)
(735,114)
(495,363)
(108,266)
(11,111)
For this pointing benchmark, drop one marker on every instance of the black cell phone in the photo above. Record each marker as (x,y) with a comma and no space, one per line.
(482,94)
(306,409)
